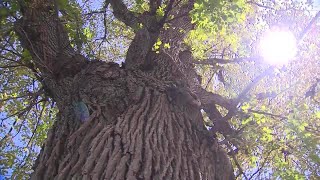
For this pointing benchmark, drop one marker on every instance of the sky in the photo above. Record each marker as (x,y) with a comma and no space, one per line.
(317,4)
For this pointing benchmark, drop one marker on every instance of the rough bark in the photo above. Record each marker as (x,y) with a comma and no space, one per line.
(142,121)
(138,129)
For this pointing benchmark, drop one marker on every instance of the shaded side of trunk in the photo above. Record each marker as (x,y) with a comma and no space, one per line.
(137,129)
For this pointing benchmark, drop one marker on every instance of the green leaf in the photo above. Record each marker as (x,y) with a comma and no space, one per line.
(166,45)
(158,42)
(87,32)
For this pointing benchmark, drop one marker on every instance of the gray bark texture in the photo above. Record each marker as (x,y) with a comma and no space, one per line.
(138,122)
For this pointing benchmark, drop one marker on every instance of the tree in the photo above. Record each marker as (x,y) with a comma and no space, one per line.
(171,109)
(139,121)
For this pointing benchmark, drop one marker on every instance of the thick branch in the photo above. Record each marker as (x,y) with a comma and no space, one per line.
(122,13)
(146,30)
(209,97)
(233,108)
(41,32)
(179,27)
(208,102)
(247,89)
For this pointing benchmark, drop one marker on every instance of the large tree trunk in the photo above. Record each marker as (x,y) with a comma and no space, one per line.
(138,129)
(138,122)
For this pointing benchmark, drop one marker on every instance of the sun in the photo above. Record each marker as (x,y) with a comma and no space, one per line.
(278,47)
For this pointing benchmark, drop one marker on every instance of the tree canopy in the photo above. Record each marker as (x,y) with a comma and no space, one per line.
(273,111)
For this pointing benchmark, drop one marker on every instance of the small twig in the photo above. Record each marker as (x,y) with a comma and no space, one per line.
(11,60)
(94,12)
(211,77)
(268,114)
(10,66)
(263,163)
(269,7)
(30,94)
(214,61)
(25,116)
(11,51)
(23,161)
(6,35)
(260,5)
(236,161)
(12,47)
(19,113)
(37,123)
(12,98)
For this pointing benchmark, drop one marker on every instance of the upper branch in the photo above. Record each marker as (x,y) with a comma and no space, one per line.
(43,35)
(122,13)
(209,97)
(166,14)
(208,102)
(154,5)
(180,22)
(246,90)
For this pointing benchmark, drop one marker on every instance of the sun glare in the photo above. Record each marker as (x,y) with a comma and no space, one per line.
(278,47)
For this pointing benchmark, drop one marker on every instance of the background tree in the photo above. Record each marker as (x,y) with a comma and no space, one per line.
(187,65)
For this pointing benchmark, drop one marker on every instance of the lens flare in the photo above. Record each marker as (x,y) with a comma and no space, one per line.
(278,47)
